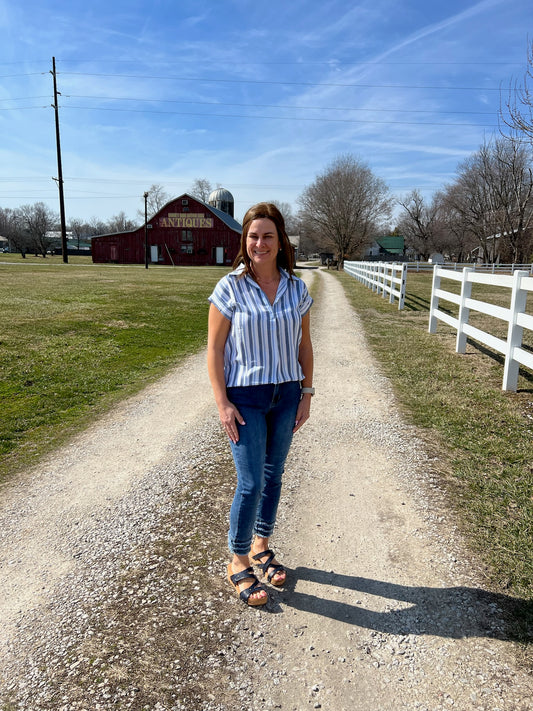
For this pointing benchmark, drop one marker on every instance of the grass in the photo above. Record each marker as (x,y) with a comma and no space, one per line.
(483,437)
(77,338)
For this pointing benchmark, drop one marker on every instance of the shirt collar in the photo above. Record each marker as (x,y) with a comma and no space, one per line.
(239,270)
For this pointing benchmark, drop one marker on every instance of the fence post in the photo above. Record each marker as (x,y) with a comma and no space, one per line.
(514,332)
(464,311)
(403,286)
(434,303)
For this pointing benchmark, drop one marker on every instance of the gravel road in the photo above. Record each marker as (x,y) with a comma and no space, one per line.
(112,563)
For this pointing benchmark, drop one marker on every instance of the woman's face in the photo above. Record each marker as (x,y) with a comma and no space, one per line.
(262,242)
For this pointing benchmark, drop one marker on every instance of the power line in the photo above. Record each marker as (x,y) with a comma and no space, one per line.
(333,62)
(280,118)
(283,83)
(271,106)
(242,105)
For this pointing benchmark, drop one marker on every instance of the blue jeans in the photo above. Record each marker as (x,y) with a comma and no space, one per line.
(264,441)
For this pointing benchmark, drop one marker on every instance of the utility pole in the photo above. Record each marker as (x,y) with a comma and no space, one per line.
(59,178)
(146,230)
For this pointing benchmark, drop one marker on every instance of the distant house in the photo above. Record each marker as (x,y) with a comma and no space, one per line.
(386,249)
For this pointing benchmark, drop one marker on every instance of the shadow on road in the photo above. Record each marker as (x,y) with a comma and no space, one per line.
(445,612)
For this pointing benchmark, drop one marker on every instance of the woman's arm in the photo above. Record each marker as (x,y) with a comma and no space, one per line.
(217,333)
(305,358)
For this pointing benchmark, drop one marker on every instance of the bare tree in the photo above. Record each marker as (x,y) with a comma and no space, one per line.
(493,197)
(345,203)
(292,224)
(39,223)
(474,201)
(419,224)
(120,223)
(79,230)
(511,181)
(518,112)
(201,188)
(155,200)
(455,238)
(96,226)
(12,228)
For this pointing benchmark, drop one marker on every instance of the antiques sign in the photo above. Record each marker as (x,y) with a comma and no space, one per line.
(189,219)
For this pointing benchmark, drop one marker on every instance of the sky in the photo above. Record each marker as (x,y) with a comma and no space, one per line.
(257,97)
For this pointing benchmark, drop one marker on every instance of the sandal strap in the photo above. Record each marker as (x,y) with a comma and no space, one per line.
(243,575)
(254,587)
(276,568)
(264,566)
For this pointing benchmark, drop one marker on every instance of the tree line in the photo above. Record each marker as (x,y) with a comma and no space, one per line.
(485,213)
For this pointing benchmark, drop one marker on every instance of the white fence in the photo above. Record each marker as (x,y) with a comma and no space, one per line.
(459,266)
(386,278)
(519,285)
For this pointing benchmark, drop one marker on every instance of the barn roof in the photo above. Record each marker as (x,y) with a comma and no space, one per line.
(228,220)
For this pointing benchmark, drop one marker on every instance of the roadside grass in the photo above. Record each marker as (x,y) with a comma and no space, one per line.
(482,436)
(50,259)
(76,338)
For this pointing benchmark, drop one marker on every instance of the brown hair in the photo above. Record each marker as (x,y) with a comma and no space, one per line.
(285,258)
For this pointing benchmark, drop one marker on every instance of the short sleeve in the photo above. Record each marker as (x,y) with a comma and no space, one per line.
(305,302)
(222,297)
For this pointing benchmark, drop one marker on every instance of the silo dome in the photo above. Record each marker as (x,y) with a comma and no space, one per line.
(222,199)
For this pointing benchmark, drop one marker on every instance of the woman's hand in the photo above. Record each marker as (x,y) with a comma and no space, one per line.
(229,416)
(303,411)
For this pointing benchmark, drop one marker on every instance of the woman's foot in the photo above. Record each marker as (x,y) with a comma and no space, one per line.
(241,576)
(263,557)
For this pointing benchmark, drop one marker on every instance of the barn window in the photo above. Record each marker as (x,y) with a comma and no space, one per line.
(184,202)
(186,249)
(186,235)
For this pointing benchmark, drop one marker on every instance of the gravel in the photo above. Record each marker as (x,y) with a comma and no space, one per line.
(113,563)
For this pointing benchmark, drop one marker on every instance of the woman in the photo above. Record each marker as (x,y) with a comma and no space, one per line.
(260,364)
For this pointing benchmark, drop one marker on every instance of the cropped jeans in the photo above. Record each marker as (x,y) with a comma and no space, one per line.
(269,412)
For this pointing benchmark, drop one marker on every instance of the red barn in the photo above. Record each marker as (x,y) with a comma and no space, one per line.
(186,232)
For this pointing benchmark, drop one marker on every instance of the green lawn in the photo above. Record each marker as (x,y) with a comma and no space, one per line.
(76,338)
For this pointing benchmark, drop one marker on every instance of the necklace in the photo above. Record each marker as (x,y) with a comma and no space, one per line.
(264,282)
(267,282)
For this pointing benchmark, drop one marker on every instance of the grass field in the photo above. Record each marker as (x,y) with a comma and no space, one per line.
(76,338)
(482,437)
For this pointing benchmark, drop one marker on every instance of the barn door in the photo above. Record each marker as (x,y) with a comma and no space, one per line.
(219,255)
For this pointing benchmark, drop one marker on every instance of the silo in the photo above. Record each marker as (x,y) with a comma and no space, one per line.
(222,199)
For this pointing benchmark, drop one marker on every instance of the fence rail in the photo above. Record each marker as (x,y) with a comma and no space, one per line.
(459,266)
(520,284)
(386,278)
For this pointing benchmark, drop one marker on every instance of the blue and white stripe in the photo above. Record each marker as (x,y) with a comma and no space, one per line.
(263,341)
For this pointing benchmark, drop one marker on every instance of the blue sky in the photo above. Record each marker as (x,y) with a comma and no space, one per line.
(258,97)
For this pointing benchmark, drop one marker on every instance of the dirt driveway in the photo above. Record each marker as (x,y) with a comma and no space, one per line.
(112,591)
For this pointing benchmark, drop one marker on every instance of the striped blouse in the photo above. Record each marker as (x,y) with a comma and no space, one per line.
(264,339)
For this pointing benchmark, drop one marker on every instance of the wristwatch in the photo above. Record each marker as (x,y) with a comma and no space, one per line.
(311,391)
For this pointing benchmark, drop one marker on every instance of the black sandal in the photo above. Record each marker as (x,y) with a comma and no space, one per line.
(255,587)
(277,569)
